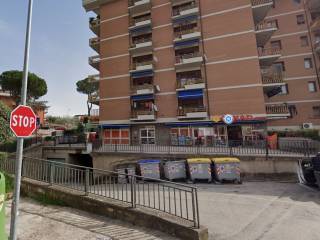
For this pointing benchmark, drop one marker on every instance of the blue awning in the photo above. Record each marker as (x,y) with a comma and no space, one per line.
(114,126)
(142,73)
(190,124)
(142,97)
(190,94)
(186,43)
(185,19)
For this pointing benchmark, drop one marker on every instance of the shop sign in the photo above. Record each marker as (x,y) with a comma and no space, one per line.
(229,119)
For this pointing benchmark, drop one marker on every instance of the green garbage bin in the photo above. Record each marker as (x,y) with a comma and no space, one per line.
(3,234)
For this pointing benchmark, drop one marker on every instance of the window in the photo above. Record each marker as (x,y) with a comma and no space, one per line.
(116,136)
(304,41)
(276,44)
(296,1)
(312,86)
(300,19)
(308,63)
(284,89)
(279,67)
(316,111)
(148,136)
(274,22)
(292,110)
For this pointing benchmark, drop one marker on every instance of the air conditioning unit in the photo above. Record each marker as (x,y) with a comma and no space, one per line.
(307,126)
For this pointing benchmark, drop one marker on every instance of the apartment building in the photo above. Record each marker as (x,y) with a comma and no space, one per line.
(180,71)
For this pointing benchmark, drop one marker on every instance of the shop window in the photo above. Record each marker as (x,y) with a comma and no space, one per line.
(117,136)
(300,19)
(148,136)
(316,111)
(304,41)
(308,63)
(312,87)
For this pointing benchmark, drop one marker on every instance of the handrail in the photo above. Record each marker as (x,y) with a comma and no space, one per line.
(136,191)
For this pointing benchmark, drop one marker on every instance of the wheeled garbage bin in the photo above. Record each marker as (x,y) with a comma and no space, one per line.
(175,170)
(3,234)
(199,169)
(149,168)
(227,169)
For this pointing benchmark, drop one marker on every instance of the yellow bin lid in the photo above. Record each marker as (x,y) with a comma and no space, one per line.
(199,160)
(226,160)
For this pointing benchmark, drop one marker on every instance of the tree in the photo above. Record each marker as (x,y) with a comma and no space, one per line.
(11,81)
(89,88)
(5,132)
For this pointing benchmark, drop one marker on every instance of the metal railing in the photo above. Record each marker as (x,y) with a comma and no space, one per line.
(94,59)
(176,11)
(272,78)
(175,199)
(182,111)
(266,25)
(268,51)
(134,21)
(180,58)
(182,82)
(277,109)
(260,2)
(180,33)
(298,148)
(136,113)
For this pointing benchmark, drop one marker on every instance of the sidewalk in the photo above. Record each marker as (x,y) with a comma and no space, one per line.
(39,222)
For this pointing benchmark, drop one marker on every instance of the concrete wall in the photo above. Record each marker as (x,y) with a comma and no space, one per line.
(251,167)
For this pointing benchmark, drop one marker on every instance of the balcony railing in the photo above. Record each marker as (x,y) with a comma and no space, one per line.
(177,11)
(185,32)
(140,41)
(182,82)
(94,22)
(137,65)
(265,25)
(95,97)
(260,2)
(94,59)
(148,87)
(317,46)
(94,41)
(134,22)
(182,111)
(180,58)
(143,112)
(277,109)
(268,51)
(137,2)
(94,78)
(270,77)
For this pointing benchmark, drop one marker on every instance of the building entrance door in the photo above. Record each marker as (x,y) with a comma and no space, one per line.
(234,135)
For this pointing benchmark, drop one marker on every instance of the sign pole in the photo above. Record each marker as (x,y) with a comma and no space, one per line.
(16,195)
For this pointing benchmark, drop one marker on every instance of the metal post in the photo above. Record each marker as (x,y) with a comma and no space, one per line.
(52,173)
(16,195)
(87,180)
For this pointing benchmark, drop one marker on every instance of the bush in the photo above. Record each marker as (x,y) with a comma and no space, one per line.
(5,132)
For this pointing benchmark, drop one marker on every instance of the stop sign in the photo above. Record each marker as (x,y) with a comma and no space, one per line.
(23,121)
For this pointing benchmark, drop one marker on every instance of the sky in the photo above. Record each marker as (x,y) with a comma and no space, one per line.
(59,48)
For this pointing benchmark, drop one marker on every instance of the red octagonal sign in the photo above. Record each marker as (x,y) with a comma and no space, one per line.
(23,121)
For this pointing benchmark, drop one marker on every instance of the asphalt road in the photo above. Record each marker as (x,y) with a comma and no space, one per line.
(251,211)
(260,210)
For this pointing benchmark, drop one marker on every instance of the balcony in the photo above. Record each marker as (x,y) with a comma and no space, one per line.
(180,2)
(188,34)
(94,61)
(93,5)
(140,22)
(275,111)
(137,7)
(315,26)
(143,115)
(188,61)
(317,47)
(272,82)
(185,112)
(141,46)
(184,11)
(95,44)
(142,66)
(264,31)
(94,24)
(314,6)
(94,78)
(143,89)
(190,83)
(268,55)
(260,9)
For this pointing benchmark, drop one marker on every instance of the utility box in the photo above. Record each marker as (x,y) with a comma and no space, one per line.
(3,234)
